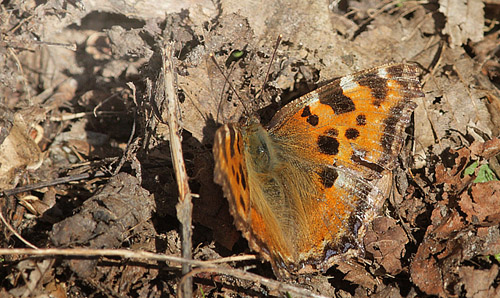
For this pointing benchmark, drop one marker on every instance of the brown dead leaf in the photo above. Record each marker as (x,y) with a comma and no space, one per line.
(118,210)
(448,242)
(386,242)
(481,203)
(356,273)
(486,243)
(480,283)
(389,291)
(487,149)
(426,268)
(484,48)
(34,273)
(128,43)
(427,276)
(18,151)
(449,171)
(464,20)
(452,107)
(401,37)
(411,206)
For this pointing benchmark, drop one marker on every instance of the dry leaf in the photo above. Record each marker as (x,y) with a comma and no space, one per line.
(464,20)
(17,150)
(479,283)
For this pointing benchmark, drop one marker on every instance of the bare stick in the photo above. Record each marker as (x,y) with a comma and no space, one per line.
(126,152)
(123,253)
(53,182)
(205,266)
(272,285)
(184,206)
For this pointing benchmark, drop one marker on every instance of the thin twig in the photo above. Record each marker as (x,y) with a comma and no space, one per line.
(67,117)
(271,284)
(101,103)
(56,181)
(7,224)
(125,154)
(232,259)
(205,266)
(184,206)
(123,253)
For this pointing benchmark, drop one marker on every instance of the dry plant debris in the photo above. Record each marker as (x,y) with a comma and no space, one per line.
(79,85)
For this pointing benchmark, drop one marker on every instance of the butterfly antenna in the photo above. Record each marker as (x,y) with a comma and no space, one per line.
(278,41)
(227,80)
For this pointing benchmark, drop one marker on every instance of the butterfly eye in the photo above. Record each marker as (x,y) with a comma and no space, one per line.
(260,161)
(262,158)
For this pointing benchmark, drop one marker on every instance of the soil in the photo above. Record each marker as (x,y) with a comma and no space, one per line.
(85,158)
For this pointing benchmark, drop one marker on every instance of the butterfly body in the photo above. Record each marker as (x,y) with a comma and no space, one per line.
(302,188)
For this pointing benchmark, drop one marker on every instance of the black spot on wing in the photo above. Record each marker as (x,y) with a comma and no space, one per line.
(243,178)
(377,85)
(333,96)
(242,202)
(232,138)
(328,176)
(332,132)
(328,145)
(311,118)
(352,133)
(306,112)
(361,120)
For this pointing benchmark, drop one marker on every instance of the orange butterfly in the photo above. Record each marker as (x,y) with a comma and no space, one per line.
(303,188)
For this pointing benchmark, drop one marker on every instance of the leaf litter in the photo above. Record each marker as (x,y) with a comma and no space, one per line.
(64,71)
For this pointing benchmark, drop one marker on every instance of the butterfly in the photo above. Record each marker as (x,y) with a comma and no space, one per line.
(303,188)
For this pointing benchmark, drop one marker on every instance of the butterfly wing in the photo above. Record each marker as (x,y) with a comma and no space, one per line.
(324,161)
(346,135)
(357,119)
(248,190)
